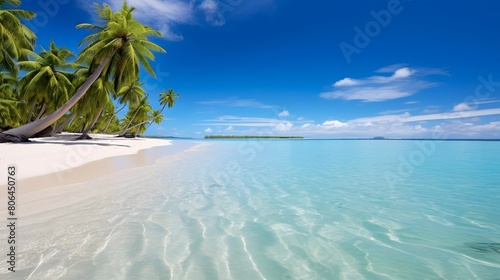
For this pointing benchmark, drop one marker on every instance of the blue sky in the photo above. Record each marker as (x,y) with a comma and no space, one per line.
(325,69)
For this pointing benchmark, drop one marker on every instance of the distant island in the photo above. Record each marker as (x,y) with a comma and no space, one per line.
(251,137)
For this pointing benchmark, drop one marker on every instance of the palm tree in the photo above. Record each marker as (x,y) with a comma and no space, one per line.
(65,122)
(130,95)
(168,99)
(115,52)
(140,112)
(45,84)
(155,117)
(15,37)
(95,101)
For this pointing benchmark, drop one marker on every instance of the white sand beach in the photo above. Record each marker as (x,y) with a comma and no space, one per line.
(50,171)
(56,155)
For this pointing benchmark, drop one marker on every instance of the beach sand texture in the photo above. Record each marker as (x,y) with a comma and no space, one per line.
(49,170)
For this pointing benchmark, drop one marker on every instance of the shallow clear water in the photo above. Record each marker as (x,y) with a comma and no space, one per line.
(284,210)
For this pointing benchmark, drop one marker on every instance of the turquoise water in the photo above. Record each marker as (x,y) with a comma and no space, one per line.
(285,210)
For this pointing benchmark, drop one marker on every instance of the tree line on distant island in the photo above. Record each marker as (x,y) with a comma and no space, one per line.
(53,90)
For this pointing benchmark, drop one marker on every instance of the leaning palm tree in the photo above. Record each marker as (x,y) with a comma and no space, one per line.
(167,98)
(129,94)
(115,52)
(140,112)
(45,84)
(155,117)
(65,121)
(95,102)
(15,37)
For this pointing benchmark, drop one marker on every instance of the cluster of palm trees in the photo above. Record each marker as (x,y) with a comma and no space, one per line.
(55,90)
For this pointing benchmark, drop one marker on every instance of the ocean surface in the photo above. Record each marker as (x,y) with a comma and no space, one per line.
(282,209)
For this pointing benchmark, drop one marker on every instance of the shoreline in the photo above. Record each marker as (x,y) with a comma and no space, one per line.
(56,155)
(94,176)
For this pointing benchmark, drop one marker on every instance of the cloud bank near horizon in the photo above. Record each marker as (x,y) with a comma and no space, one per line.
(402,82)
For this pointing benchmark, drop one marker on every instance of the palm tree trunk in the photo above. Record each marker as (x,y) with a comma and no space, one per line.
(149,125)
(23,133)
(150,120)
(66,122)
(30,115)
(42,111)
(112,117)
(91,126)
(161,111)
(130,122)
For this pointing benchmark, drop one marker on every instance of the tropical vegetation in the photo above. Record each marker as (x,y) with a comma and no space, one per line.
(55,90)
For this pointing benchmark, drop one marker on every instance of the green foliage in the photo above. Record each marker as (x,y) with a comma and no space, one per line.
(122,34)
(45,82)
(16,40)
(10,107)
(138,115)
(167,98)
(50,81)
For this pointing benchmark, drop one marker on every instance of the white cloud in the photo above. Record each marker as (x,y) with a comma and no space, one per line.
(419,127)
(407,117)
(454,115)
(466,124)
(166,15)
(391,68)
(283,127)
(452,125)
(208,130)
(392,112)
(402,73)
(162,15)
(284,114)
(485,101)
(333,124)
(235,121)
(345,82)
(212,12)
(489,127)
(428,71)
(462,107)
(376,94)
(209,6)
(402,83)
